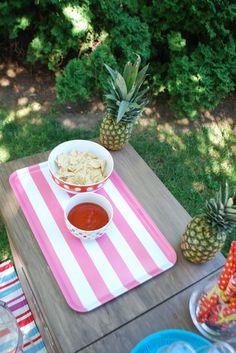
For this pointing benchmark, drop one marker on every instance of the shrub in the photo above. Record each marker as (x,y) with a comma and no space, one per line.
(190,44)
(80,75)
(202,79)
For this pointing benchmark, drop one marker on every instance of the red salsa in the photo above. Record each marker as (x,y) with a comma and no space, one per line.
(88,216)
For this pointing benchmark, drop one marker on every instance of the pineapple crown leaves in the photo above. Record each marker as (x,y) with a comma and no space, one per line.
(221,210)
(126,98)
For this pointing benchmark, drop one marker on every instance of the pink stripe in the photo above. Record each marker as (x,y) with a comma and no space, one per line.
(117,263)
(77,248)
(45,245)
(146,220)
(18,305)
(135,244)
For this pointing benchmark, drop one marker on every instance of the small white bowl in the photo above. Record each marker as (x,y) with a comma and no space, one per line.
(93,198)
(82,146)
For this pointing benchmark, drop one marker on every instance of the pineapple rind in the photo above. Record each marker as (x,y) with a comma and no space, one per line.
(201,242)
(114,135)
(124,101)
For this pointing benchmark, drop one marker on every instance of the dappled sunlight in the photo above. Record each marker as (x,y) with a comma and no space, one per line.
(9,117)
(23,112)
(166,133)
(214,153)
(4,82)
(4,252)
(198,186)
(37,120)
(4,154)
(24,89)
(149,112)
(26,109)
(22,101)
(11,73)
(200,157)
(145,122)
(35,107)
(77,17)
(97,106)
(216,137)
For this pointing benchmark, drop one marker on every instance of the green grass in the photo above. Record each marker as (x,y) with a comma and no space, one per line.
(191,164)
(23,136)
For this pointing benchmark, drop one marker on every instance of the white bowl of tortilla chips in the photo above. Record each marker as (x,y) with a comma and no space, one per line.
(80,165)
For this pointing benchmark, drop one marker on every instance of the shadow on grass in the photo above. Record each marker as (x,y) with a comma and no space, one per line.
(191,164)
(34,133)
(20,137)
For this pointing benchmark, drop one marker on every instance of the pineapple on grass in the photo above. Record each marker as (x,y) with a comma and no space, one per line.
(124,103)
(206,233)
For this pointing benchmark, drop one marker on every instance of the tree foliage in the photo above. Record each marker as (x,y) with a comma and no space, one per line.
(190,44)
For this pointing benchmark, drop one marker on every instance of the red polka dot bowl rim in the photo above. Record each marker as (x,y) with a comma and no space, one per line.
(82,146)
(93,198)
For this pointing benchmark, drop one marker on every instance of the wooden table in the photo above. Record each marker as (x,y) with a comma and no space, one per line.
(119,325)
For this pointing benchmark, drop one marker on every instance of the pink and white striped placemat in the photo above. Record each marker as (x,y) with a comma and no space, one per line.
(90,273)
(12,294)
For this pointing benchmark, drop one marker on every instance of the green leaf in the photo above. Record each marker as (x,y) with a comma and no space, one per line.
(126,71)
(121,85)
(111,72)
(226,193)
(141,75)
(133,73)
(111,97)
(122,110)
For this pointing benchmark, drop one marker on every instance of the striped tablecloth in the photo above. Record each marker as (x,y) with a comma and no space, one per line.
(11,293)
(90,273)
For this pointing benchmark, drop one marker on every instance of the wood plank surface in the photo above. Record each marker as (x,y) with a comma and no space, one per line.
(73,330)
(171,314)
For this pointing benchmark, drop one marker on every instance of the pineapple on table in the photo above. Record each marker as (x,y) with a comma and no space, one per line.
(206,233)
(124,103)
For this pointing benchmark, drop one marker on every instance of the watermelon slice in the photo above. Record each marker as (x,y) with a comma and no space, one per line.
(232,304)
(222,316)
(205,305)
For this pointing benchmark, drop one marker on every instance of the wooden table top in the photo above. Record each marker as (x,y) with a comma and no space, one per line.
(159,303)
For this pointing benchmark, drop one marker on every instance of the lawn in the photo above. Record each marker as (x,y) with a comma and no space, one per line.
(191,162)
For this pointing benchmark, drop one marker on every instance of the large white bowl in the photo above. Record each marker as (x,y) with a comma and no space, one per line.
(93,198)
(82,146)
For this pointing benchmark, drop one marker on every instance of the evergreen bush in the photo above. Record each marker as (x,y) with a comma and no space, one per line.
(190,44)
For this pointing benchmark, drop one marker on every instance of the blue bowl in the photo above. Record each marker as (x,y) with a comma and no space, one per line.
(160,339)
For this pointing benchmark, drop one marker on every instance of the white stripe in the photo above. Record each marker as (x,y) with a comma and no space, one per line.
(28,327)
(128,255)
(61,195)
(142,234)
(23,317)
(99,259)
(115,236)
(104,267)
(5,283)
(7,262)
(7,272)
(61,248)
(12,295)
(18,300)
